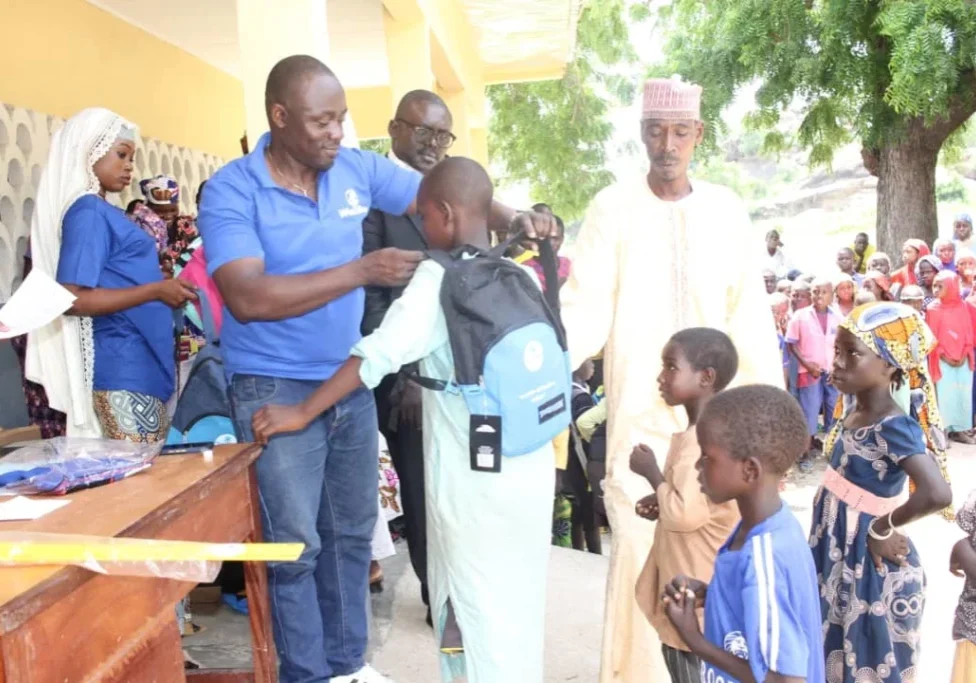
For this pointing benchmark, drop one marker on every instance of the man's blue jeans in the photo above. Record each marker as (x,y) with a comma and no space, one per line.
(317,487)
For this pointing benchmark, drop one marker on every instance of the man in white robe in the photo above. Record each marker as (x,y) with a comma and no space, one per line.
(657,254)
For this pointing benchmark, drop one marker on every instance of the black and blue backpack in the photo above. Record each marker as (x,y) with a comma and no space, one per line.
(203,408)
(510,357)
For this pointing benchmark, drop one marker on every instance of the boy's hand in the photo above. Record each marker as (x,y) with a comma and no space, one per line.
(643,462)
(955,561)
(814,370)
(680,606)
(647,507)
(271,420)
(684,585)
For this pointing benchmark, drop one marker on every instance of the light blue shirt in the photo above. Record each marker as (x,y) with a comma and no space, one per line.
(245,214)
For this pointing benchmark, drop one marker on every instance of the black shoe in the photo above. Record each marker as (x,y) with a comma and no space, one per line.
(430,618)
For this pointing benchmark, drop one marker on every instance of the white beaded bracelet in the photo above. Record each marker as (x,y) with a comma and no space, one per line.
(878,537)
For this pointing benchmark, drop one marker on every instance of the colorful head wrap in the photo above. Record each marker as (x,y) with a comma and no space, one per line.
(964,254)
(880,256)
(943,242)
(882,280)
(930,259)
(918,245)
(899,336)
(964,218)
(160,190)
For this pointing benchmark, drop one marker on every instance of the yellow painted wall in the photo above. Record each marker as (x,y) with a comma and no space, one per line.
(61,56)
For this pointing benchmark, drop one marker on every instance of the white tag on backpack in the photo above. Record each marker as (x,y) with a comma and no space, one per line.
(485,436)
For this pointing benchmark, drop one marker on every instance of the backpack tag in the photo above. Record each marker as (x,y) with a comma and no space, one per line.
(486,443)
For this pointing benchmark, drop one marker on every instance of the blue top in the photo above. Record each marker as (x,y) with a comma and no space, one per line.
(763,603)
(134,348)
(245,214)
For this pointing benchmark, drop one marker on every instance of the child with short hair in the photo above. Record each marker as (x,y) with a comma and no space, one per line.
(696,364)
(801,295)
(912,295)
(488,532)
(762,607)
(810,335)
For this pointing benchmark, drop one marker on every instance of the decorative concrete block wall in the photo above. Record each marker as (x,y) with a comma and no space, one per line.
(24,139)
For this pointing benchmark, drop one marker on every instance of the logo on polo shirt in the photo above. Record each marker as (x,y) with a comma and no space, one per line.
(353,207)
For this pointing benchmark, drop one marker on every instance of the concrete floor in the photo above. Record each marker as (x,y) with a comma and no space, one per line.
(402,646)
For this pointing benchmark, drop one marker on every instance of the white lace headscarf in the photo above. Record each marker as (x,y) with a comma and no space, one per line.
(61,355)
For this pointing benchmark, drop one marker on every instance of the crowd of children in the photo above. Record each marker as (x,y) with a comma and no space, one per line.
(902,374)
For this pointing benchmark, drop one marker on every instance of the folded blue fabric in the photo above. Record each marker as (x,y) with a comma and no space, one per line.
(70,475)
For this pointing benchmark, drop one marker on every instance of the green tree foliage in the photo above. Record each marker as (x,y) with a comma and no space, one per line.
(553,133)
(898,76)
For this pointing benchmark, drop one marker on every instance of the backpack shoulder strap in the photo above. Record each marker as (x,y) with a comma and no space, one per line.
(441,258)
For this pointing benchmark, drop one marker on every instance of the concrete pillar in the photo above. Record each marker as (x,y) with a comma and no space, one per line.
(408,56)
(459,112)
(478,122)
(267,32)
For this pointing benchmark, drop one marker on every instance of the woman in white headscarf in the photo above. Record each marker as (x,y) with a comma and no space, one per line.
(109,362)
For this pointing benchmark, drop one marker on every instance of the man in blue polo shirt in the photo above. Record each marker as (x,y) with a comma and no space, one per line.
(283,232)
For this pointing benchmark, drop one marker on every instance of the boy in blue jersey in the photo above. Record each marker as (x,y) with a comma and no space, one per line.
(762,607)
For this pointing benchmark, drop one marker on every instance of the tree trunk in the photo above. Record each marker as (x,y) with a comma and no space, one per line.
(906,174)
(906,195)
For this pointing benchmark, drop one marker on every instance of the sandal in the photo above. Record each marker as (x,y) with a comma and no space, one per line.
(962,437)
(375,577)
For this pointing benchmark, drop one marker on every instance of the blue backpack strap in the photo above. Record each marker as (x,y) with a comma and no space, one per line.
(206,314)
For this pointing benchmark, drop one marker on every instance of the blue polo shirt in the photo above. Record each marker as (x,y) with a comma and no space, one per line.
(101,248)
(245,214)
(763,603)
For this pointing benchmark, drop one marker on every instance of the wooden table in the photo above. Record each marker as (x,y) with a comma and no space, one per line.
(67,625)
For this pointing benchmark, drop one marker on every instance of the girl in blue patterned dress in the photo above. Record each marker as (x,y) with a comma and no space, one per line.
(872,584)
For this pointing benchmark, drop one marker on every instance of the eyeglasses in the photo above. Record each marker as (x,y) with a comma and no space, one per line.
(423,134)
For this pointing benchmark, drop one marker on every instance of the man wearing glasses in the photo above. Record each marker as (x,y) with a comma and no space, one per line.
(420,135)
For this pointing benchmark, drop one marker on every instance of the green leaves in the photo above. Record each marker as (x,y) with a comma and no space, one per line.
(552,134)
(857,69)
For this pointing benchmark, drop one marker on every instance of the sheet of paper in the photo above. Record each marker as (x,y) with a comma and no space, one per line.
(21,508)
(37,301)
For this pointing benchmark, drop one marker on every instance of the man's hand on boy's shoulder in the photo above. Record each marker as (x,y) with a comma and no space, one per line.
(390,267)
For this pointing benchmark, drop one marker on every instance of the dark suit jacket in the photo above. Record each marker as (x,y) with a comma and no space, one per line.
(381,230)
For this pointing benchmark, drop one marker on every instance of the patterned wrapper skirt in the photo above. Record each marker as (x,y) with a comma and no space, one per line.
(129,416)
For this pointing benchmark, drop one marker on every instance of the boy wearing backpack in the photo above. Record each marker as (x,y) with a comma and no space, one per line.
(489,517)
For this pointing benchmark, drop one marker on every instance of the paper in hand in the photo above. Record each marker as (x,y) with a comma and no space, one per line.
(37,301)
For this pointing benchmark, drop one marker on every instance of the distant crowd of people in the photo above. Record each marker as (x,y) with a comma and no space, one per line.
(929,341)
